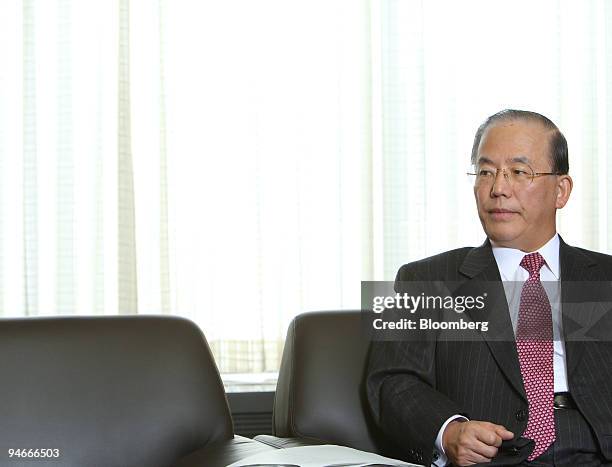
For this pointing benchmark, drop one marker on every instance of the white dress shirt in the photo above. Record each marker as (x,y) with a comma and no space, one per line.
(513,276)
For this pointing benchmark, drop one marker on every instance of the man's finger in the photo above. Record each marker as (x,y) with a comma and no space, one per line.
(498,441)
(483,449)
(488,437)
(503,432)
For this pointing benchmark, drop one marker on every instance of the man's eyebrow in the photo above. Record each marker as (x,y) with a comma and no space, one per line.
(520,159)
(484,160)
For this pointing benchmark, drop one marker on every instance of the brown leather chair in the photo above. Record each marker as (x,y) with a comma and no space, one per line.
(115,391)
(320,395)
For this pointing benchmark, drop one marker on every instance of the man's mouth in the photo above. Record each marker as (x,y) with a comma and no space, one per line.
(502,214)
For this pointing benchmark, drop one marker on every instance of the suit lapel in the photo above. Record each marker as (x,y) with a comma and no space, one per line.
(481,268)
(576,267)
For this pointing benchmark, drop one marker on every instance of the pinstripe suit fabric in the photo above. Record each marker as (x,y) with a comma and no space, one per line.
(414,387)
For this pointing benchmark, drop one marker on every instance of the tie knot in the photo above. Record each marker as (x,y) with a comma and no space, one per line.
(533,262)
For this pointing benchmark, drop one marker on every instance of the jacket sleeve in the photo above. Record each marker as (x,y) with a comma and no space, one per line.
(401,389)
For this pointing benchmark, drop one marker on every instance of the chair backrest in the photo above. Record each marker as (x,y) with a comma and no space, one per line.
(128,391)
(321,389)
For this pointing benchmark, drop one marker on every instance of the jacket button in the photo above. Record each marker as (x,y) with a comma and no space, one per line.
(521,415)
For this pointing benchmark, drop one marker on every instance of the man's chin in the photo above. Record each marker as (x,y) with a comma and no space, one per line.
(503,239)
(504,244)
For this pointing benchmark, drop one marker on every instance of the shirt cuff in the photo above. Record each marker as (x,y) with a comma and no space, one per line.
(439,458)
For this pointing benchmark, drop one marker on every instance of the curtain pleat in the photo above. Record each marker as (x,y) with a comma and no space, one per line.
(65,253)
(164,239)
(30,174)
(127,281)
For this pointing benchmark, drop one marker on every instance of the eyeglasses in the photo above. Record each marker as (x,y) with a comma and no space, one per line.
(516,175)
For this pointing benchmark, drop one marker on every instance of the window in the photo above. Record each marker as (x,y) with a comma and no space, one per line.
(240,162)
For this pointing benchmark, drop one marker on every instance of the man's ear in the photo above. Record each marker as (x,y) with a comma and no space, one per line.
(564,189)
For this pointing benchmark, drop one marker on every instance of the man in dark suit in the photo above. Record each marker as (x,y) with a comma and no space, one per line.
(525,392)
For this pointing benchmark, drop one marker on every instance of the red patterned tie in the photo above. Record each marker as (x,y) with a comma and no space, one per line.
(535,352)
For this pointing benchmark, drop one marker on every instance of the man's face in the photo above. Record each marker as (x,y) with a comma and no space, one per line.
(518,215)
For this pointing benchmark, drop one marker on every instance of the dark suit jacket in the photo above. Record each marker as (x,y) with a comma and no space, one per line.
(414,387)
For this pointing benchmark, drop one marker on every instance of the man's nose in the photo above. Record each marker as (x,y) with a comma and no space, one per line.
(502,185)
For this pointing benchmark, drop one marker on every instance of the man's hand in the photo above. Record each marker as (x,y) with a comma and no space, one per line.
(467,443)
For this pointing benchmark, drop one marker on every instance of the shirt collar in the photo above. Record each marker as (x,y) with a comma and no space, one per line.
(509,259)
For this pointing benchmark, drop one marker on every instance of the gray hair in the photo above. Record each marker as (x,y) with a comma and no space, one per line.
(558,144)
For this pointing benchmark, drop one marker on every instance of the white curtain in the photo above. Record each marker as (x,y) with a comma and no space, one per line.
(444,67)
(240,162)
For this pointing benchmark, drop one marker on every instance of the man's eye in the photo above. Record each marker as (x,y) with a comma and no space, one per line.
(520,172)
(485,173)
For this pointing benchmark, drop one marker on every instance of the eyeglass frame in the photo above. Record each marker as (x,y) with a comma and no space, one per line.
(507,176)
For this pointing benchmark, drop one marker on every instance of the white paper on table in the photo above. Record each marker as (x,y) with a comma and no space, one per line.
(319,456)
